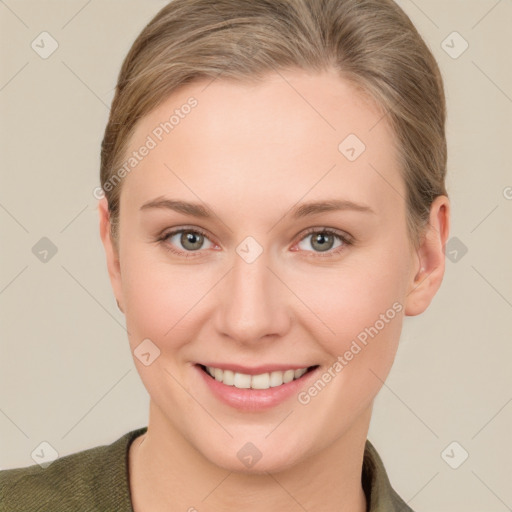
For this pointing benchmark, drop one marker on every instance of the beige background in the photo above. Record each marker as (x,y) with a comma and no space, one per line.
(67,376)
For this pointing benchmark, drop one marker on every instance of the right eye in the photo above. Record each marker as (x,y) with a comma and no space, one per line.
(191,240)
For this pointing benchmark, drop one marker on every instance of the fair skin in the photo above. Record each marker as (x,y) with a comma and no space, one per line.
(252,153)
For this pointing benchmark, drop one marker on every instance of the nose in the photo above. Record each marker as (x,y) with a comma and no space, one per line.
(252,302)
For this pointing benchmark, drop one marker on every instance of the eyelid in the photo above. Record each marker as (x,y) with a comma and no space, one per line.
(324,229)
(173,231)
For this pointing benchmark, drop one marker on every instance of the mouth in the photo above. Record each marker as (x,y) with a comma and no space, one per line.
(259,381)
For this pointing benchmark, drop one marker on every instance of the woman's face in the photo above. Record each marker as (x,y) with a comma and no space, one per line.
(254,288)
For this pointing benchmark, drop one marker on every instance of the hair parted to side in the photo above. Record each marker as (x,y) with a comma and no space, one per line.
(371,43)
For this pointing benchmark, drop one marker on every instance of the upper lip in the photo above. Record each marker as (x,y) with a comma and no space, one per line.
(257,370)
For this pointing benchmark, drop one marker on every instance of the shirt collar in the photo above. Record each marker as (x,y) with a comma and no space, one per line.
(380,495)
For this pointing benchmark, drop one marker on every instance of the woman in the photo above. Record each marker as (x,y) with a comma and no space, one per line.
(274,205)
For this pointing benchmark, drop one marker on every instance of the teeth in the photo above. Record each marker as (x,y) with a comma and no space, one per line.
(261,381)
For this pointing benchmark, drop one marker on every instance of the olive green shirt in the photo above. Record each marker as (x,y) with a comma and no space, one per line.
(97,480)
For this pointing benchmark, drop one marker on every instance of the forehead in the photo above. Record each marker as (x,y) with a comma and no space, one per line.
(291,135)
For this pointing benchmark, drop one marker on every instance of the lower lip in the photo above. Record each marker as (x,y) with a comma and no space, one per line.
(255,399)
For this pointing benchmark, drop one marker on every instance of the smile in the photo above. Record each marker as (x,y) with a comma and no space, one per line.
(260,381)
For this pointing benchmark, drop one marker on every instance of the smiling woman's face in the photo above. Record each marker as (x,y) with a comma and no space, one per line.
(253,288)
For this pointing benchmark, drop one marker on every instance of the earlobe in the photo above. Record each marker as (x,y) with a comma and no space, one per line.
(111,253)
(428,271)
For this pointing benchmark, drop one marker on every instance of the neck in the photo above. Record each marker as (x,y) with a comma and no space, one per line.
(168,473)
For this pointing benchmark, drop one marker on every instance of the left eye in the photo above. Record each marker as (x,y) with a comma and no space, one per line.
(323,240)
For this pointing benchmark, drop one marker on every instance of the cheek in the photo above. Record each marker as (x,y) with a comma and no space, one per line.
(358,320)
(358,324)
(368,321)
(343,304)
(161,300)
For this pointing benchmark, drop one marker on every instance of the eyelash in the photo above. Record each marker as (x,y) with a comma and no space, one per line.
(346,239)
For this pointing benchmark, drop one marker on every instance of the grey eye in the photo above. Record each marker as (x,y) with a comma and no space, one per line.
(188,239)
(321,241)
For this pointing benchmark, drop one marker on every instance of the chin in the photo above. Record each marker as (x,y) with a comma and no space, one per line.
(262,467)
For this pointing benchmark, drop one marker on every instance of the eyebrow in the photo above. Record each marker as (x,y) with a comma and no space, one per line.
(303,210)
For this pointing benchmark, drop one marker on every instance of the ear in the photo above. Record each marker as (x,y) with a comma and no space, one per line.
(113,261)
(428,271)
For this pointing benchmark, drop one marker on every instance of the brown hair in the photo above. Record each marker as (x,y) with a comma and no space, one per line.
(372,43)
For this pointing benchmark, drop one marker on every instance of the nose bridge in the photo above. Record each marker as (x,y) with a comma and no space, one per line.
(252,305)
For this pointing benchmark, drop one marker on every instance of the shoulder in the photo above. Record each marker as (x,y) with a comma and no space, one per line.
(87,480)
(379,492)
